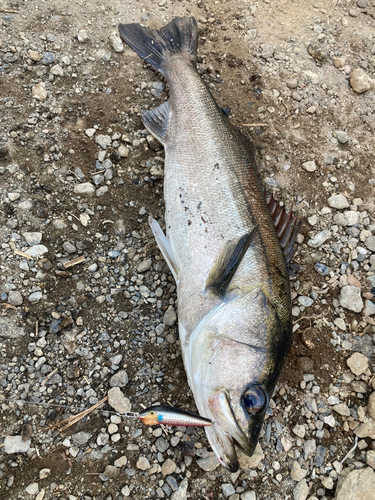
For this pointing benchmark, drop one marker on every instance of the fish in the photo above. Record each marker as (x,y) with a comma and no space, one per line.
(227,244)
(168,415)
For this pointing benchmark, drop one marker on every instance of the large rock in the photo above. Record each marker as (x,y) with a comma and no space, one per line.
(350,298)
(359,484)
(15,444)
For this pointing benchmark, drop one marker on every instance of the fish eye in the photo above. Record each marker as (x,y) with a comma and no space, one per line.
(255,399)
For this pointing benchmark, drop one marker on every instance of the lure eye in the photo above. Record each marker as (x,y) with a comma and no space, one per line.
(152,413)
(255,399)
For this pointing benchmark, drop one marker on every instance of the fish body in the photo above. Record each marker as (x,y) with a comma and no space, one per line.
(234,305)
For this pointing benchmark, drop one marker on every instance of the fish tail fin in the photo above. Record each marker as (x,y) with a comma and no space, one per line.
(180,36)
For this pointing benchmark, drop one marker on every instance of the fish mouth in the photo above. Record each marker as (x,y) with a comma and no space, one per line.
(245,438)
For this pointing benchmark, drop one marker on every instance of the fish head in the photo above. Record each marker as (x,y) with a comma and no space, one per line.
(235,362)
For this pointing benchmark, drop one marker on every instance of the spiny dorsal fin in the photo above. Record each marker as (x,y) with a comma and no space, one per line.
(227,264)
(286,224)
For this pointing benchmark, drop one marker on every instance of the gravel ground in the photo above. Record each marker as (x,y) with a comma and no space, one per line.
(88,305)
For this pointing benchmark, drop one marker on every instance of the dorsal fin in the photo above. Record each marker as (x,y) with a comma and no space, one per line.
(286,224)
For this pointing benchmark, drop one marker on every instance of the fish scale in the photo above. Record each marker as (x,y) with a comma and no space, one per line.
(234,305)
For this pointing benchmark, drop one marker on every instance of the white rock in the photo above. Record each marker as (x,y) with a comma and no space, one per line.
(123,151)
(358,484)
(116,43)
(15,444)
(250,462)
(369,309)
(32,488)
(90,132)
(82,36)
(57,70)
(309,166)
(84,188)
(340,323)
(301,490)
(249,495)
(350,298)
(143,463)
(342,409)
(170,316)
(319,238)
(181,492)
(103,141)
(39,92)
(14,196)
(360,81)
(338,201)
(299,430)
(43,473)
(351,217)
(36,250)
(33,238)
(358,363)
(118,401)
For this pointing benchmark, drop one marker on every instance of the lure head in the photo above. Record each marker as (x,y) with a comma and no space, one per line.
(150,416)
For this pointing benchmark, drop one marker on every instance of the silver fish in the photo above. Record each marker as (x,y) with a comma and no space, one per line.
(234,304)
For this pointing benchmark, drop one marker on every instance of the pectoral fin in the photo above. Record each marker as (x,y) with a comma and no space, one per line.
(156,121)
(165,248)
(228,263)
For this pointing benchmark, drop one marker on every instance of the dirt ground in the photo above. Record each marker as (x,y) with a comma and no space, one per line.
(282,69)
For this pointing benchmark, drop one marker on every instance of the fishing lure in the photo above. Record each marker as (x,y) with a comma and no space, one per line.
(168,415)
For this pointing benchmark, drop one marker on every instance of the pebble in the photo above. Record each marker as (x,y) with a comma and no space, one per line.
(35,296)
(299,430)
(34,55)
(181,492)
(118,401)
(170,316)
(360,81)
(15,298)
(327,482)
(366,430)
(39,92)
(57,70)
(32,489)
(319,238)
(350,298)
(370,243)
(81,437)
(120,462)
(15,444)
(227,489)
(341,136)
(143,463)
(309,166)
(123,151)
(296,472)
(209,463)
(371,406)
(90,132)
(32,238)
(249,495)
(168,467)
(342,409)
(338,201)
(119,379)
(44,473)
(116,43)
(357,484)
(358,363)
(301,490)
(103,140)
(369,309)
(82,36)
(144,266)
(84,188)
(309,447)
(253,461)
(111,471)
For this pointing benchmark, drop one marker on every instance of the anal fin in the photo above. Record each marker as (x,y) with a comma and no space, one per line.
(165,248)
(228,262)
(156,121)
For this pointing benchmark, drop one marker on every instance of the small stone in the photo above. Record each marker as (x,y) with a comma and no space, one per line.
(370,243)
(82,36)
(40,495)
(299,430)
(44,473)
(103,140)
(81,438)
(327,482)
(340,323)
(209,463)
(144,266)
(143,463)
(338,201)
(57,70)
(228,489)
(296,472)
(339,62)
(36,251)
(309,447)
(32,489)
(350,298)
(47,58)
(32,238)
(35,296)
(309,166)
(101,191)
(329,420)
(170,316)
(15,444)
(121,462)
(118,401)
(360,81)
(322,269)
(366,430)
(342,409)
(111,471)
(35,56)
(116,43)
(305,364)
(250,462)
(358,363)
(357,484)
(301,490)
(168,467)
(249,495)
(351,217)
(90,132)
(39,92)
(13,196)
(319,238)
(304,301)
(369,309)
(69,247)
(102,439)
(123,151)
(15,298)
(84,188)
(311,110)
(292,83)
(371,406)
(181,492)
(119,379)
(341,136)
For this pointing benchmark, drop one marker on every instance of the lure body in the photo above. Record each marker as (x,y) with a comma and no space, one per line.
(166,415)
